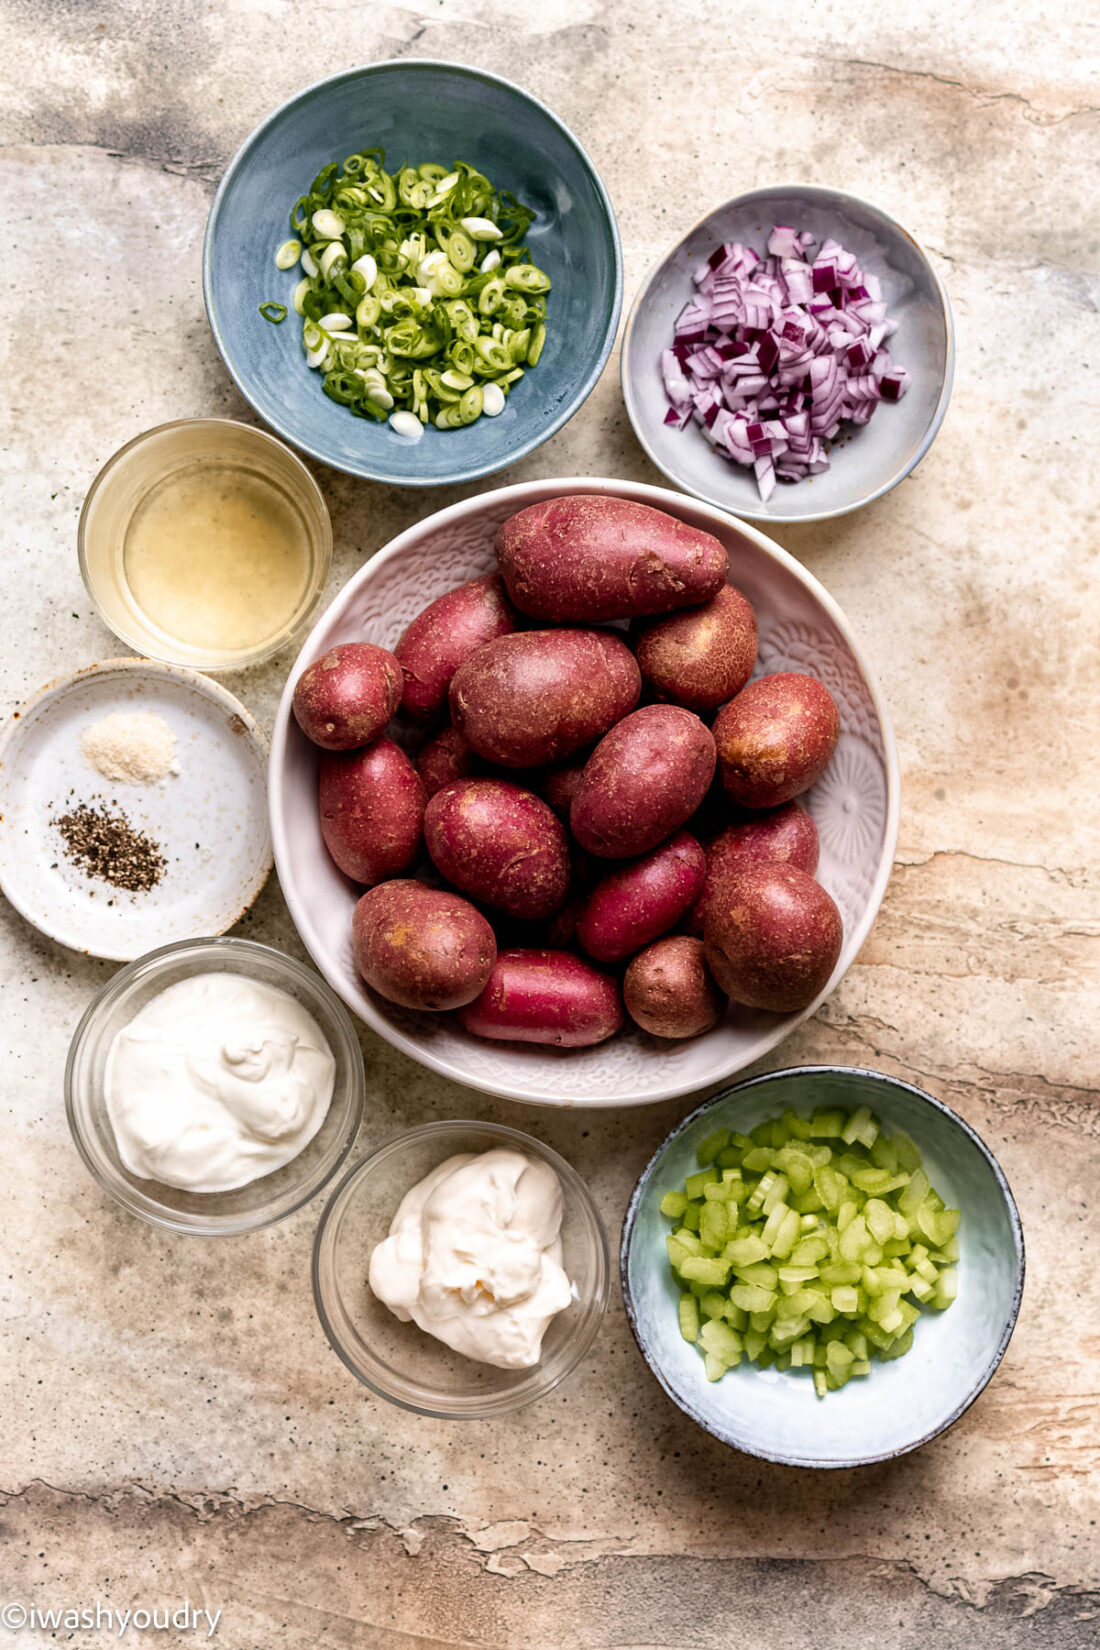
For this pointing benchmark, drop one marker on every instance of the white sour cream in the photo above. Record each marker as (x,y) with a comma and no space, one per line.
(474,1257)
(216,1081)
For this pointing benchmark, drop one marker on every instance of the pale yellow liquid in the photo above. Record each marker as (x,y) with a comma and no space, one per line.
(217,557)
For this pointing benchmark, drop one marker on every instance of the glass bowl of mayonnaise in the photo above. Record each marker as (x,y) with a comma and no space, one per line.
(214,1086)
(461,1270)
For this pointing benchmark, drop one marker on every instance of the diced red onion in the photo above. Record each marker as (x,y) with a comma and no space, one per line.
(773,353)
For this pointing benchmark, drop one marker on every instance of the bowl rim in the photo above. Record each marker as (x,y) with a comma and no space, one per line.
(341,1194)
(215,1226)
(659,498)
(198,681)
(460,472)
(241,661)
(824,196)
(762,1079)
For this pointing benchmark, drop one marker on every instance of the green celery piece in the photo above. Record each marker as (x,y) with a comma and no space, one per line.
(714,1225)
(913,1195)
(924,1267)
(736,1316)
(860,1366)
(875,1334)
(745,1251)
(846,1299)
(855,1240)
(884,1153)
(714,1366)
(691,1216)
(826,1125)
(797,1127)
(712,1304)
(822,1311)
(787,1236)
(694,1183)
(774,1221)
(856,1342)
(755,1200)
(677,1254)
(860,1126)
(920,1287)
(718,1191)
(845,1215)
(710,1146)
(946,1290)
(909,1313)
(755,1340)
(883,1306)
(807,1203)
(757,1159)
(751,1297)
(948,1253)
(689,1317)
(706,1269)
(797,1167)
(766,1358)
(729,1157)
(840,1272)
(897,1246)
(690,1240)
(786,1330)
(673,1204)
(908,1155)
(809,1251)
(838,1357)
(802,1351)
(880,1219)
(761,1274)
(872,1181)
(777,1193)
(698,1289)
(782,1360)
(819,1154)
(821,1384)
(719,1338)
(762,1320)
(829,1186)
(898,1348)
(796,1274)
(794,1306)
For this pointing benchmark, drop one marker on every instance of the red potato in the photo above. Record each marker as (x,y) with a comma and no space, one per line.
(701,657)
(372,811)
(422,947)
(638,901)
(560,786)
(587,559)
(536,996)
(670,992)
(785,834)
(776,738)
(537,697)
(772,938)
(501,844)
(344,699)
(443,759)
(643,780)
(444,634)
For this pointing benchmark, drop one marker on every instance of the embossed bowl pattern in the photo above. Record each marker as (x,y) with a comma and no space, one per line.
(855,804)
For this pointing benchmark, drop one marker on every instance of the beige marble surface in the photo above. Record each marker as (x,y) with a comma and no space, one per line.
(174,1423)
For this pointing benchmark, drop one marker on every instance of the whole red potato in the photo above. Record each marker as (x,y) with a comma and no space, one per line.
(499,843)
(785,834)
(643,780)
(776,738)
(422,947)
(637,901)
(772,937)
(444,758)
(539,996)
(372,811)
(344,699)
(670,992)
(702,656)
(444,634)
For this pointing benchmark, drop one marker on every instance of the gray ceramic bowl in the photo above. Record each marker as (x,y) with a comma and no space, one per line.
(418,110)
(901,1404)
(869,461)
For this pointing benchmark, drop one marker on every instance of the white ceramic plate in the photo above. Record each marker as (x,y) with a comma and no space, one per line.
(210,820)
(855,804)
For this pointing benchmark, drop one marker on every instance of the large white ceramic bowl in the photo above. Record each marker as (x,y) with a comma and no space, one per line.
(855,803)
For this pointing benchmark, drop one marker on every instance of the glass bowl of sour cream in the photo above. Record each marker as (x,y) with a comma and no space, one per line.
(492,1251)
(214,1086)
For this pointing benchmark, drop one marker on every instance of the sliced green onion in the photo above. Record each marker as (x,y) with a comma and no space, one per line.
(419,304)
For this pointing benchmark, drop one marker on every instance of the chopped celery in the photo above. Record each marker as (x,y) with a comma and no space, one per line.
(809,1244)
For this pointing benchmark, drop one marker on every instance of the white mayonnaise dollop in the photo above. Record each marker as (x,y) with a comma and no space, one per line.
(216,1081)
(474,1257)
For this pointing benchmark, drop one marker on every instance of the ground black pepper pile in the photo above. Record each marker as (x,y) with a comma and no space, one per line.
(106,846)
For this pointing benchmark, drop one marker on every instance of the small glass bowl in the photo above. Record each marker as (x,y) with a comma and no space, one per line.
(127,479)
(262,1201)
(398,1360)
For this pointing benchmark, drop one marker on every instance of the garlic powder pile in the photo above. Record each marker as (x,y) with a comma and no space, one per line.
(133,747)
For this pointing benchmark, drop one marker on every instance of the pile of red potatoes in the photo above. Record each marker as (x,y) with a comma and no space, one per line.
(607,814)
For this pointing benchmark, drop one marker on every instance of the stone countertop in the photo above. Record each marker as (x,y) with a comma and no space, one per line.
(175,1424)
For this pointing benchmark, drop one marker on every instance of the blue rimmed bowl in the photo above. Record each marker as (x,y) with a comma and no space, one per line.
(901,1404)
(418,110)
(866,462)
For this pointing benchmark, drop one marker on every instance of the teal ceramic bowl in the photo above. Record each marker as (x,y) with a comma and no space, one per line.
(901,1404)
(418,110)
